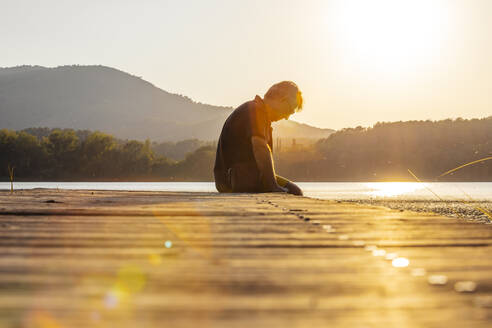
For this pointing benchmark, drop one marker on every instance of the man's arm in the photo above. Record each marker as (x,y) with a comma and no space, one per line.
(264,160)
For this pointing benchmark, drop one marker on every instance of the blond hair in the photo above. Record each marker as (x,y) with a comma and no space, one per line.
(289,91)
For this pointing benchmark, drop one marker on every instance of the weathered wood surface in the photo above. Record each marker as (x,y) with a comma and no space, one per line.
(151,259)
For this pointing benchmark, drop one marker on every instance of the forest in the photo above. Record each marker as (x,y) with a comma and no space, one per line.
(383,152)
(68,155)
(386,151)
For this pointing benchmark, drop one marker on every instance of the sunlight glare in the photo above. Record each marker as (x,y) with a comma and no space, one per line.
(465,286)
(389,189)
(400,262)
(378,252)
(437,279)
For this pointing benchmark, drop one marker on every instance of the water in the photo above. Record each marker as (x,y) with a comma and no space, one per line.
(325,190)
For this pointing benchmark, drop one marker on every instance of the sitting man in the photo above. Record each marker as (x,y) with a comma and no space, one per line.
(244,160)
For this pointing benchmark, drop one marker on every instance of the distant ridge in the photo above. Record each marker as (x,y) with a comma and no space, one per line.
(106,99)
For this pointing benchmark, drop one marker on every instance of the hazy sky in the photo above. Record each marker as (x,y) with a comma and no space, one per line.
(357,62)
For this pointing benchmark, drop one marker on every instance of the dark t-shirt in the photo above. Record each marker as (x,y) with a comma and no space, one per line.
(234,146)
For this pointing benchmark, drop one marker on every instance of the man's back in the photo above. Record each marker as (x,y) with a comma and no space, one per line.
(234,147)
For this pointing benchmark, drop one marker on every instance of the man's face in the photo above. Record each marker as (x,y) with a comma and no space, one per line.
(281,110)
(277,116)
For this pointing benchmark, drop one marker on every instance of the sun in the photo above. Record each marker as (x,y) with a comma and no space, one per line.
(390,35)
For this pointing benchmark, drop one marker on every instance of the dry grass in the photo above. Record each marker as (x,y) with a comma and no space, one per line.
(11,176)
(480,209)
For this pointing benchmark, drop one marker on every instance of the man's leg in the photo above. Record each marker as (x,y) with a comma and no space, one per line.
(223,185)
(291,187)
(244,177)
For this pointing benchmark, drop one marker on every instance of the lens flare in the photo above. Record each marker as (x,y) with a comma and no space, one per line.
(155,259)
(131,279)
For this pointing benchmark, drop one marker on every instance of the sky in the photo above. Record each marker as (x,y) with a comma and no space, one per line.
(357,62)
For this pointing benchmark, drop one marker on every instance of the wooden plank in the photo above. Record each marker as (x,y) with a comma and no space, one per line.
(153,259)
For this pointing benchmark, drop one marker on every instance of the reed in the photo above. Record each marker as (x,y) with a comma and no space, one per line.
(11,176)
(480,209)
(464,165)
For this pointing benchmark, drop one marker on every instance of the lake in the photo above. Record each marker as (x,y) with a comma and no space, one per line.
(324,190)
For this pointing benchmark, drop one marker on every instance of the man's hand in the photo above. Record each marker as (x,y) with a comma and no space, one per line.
(278,188)
(290,186)
(294,189)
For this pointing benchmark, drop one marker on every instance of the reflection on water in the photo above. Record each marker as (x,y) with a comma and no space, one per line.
(390,189)
(323,190)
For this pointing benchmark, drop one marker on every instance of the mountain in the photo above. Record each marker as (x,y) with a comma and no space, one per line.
(106,99)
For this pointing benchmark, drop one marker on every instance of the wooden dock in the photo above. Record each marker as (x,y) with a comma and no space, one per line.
(155,259)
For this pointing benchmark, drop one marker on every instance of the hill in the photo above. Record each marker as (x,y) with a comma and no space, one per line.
(106,99)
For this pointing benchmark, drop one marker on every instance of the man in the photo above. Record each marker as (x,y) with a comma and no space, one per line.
(244,160)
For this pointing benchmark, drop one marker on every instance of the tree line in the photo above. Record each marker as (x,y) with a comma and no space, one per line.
(383,152)
(70,155)
(386,151)
(172,150)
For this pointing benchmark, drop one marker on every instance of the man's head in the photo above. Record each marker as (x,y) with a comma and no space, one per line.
(283,99)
